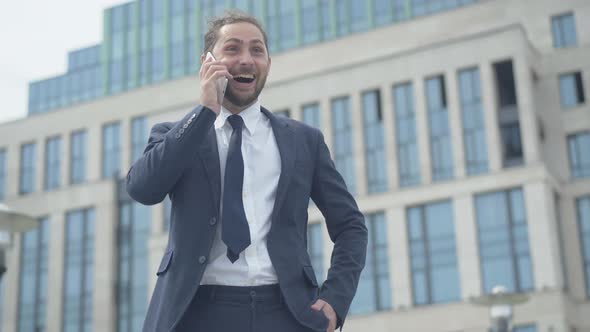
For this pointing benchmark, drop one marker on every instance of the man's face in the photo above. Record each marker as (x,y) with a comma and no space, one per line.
(241,48)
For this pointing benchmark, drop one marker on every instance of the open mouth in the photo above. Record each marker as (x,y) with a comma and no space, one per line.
(244,78)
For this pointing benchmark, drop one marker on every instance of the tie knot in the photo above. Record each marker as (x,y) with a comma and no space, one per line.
(236,121)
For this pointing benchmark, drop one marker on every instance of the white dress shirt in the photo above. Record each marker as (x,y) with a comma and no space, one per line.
(262,168)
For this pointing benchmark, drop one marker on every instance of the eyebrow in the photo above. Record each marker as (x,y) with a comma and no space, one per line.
(239,41)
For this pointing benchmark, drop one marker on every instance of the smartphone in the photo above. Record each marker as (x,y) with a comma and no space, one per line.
(221,83)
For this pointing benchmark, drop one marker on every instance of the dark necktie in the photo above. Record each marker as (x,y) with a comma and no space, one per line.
(235,232)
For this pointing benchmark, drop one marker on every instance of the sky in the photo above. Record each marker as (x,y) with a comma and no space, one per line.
(36,36)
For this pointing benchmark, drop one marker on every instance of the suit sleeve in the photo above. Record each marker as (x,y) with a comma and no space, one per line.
(171,149)
(347,230)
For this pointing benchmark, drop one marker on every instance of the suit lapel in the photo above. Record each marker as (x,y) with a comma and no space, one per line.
(285,137)
(210,157)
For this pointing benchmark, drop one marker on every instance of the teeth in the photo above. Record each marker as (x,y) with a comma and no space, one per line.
(244,76)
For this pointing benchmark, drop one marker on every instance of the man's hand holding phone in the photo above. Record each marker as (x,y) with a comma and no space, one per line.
(213,76)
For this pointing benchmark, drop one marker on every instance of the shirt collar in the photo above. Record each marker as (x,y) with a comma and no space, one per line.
(250,115)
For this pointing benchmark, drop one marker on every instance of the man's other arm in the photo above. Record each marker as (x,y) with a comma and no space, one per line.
(346,227)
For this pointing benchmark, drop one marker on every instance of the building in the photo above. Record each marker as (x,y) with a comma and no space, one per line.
(462,127)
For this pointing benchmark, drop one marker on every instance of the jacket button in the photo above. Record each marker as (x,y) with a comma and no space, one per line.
(181,130)
(213,221)
(177,136)
(202,259)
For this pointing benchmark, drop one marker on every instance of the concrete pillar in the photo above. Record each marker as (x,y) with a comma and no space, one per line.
(467,246)
(490,109)
(399,257)
(455,123)
(544,245)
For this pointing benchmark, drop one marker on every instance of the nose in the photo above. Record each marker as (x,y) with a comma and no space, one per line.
(246,59)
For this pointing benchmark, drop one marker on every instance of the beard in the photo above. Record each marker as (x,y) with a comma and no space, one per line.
(244,101)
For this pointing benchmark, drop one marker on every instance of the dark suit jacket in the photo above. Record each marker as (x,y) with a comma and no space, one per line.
(181,160)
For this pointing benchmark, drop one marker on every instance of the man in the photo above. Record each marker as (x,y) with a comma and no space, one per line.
(240,180)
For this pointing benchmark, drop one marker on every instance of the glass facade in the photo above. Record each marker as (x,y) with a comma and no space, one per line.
(583,214)
(433,253)
(374,291)
(81,82)
(79,271)
(579,154)
(441,153)
(27,168)
(32,304)
(564,30)
(133,272)
(311,115)
(571,90)
(78,155)
(52,163)
(315,248)
(376,163)
(111,150)
(472,116)
(147,41)
(342,149)
(2,174)
(505,256)
(139,137)
(406,136)
(525,328)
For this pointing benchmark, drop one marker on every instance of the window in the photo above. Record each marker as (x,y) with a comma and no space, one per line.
(571,90)
(310,21)
(474,132)
(177,37)
(503,241)
(505,85)
(433,253)
(157,39)
(133,273)
(508,114)
(32,305)
(525,328)
(78,150)
(2,174)
(583,212)
(111,150)
(342,20)
(311,115)
(376,163)
(79,271)
(27,168)
(315,247)
(325,19)
(564,31)
(382,12)
(359,20)
(52,163)
(342,149)
(374,289)
(441,152)
(139,137)
(406,137)
(579,153)
(283,113)
(288,38)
